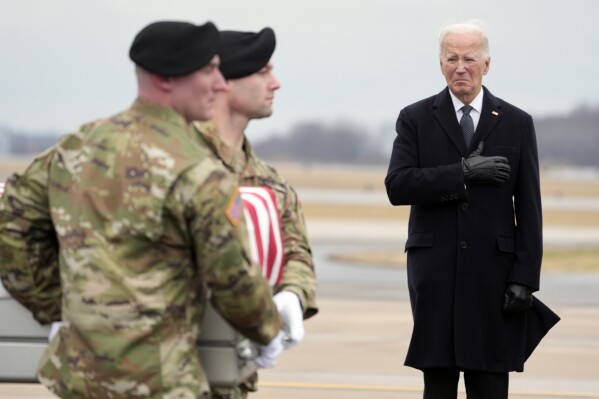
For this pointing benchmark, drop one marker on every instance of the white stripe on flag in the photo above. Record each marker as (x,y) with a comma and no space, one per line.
(264,229)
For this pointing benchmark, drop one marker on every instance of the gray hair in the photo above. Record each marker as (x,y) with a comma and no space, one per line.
(465,27)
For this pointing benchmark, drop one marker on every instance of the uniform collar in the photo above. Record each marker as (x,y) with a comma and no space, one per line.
(237,161)
(162,112)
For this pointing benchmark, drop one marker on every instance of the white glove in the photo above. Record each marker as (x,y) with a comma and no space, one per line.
(292,317)
(268,354)
(54,330)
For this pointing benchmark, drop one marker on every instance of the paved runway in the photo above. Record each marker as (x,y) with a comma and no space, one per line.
(355,347)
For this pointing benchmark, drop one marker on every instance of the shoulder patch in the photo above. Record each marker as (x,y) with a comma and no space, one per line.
(234,208)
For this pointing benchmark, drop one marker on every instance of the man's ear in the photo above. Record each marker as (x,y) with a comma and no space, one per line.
(164,83)
(487,65)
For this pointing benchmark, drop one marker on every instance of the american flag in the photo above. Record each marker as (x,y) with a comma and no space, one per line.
(264,228)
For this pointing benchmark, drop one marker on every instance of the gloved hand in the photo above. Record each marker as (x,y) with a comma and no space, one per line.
(487,170)
(292,317)
(518,299)
(268,354)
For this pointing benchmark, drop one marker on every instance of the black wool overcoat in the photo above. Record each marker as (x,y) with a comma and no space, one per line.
(466,243)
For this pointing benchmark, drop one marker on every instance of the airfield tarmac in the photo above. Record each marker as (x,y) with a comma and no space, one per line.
(355,347)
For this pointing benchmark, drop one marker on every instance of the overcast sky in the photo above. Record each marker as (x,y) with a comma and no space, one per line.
(64,62)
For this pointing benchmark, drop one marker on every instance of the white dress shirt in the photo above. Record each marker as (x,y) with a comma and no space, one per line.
(476,104)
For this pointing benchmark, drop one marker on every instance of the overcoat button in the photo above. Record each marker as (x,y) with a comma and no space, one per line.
(464,244)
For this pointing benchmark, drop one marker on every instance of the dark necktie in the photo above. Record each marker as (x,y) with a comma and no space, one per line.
(467,124)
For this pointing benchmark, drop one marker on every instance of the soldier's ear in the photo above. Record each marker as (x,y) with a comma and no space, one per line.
(164,83)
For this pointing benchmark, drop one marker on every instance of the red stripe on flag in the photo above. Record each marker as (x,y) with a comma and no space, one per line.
(264,228)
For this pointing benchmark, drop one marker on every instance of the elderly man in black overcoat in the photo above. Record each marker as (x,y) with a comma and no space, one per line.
(466,161)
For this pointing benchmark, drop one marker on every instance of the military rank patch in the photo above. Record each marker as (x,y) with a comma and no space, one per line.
(234,208)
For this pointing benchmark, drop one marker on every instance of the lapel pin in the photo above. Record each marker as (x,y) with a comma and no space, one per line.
(495,113)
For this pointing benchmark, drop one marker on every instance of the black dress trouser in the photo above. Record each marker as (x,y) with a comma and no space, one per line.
(443,384)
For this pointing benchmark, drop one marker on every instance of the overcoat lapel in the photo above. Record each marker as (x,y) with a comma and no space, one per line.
(490,115)
(445,115)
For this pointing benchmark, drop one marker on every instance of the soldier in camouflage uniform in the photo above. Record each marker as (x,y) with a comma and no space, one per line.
(125,229)
(245,63)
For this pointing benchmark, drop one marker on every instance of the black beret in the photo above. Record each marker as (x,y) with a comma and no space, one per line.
(244,53)
(172,48)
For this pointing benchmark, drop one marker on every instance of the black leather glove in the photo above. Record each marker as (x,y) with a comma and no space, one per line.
(518,299)
(486,170)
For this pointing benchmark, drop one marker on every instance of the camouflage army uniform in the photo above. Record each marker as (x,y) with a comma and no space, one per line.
(298,272)
(149,226)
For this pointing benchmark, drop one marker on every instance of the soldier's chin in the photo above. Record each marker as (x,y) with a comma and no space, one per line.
(205,115)
(264,114)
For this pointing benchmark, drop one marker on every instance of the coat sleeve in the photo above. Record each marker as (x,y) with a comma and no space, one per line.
(239,292)
(528,210)
(298,271)
(28,246)
(409,180)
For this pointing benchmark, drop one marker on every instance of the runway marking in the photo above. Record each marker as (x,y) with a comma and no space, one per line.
(399,388)
(351,387)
